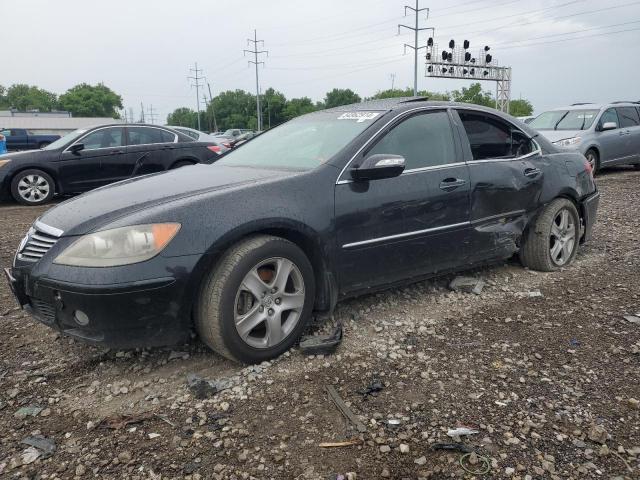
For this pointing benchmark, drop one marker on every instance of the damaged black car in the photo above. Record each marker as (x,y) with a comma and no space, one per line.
(329,205)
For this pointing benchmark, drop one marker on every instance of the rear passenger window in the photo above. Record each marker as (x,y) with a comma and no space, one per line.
(490,137)
(628,117)
(145,136)
(424,140)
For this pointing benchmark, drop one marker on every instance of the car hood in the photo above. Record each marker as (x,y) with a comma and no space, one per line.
(555,135)
(29,155)
(99,207)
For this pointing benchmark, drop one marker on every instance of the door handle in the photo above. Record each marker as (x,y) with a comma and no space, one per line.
(450,184)
(531,172)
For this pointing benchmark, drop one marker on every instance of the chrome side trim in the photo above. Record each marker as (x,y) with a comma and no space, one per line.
(498,216)
(506,159)
(404,235)
(56,232)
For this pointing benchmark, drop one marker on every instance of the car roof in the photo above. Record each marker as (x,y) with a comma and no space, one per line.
(597,106)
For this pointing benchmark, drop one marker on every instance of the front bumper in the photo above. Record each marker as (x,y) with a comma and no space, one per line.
(132,314)
(589,210)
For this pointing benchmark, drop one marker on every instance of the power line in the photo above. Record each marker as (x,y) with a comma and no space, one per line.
(416,30)
(256,52)
(603,34)
(196,78)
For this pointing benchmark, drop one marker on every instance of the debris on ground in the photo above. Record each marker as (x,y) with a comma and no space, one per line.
(118,422)
(475,464)
(632,319)
(28,411)
(45,446)
(372,389)
(458,447)
(322,344)
(344,409)
(598,434)
(30,455)
(346,443)
(203,388)
(467,285)
(461,431)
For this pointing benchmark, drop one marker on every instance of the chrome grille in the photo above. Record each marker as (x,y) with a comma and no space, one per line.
(39,241)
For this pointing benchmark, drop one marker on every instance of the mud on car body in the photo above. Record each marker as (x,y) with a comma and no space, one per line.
(326,206)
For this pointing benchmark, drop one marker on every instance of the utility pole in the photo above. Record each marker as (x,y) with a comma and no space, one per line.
(131,120)
(206,109)
(213,110)
(393,80)
(141,112)
(197,76)
(152,116)
(255,61)
(415,46)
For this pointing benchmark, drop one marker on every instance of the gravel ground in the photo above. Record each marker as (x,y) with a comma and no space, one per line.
(543,366)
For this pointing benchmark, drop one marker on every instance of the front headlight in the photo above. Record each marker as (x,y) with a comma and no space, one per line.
(568,142)
(119,246)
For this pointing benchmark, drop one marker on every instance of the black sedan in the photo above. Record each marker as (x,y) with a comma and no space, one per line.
(326,206)
(93,157)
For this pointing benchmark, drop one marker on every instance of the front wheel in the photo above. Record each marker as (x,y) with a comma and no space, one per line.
(594,160)
(257,300)
(551,242)
(32,187)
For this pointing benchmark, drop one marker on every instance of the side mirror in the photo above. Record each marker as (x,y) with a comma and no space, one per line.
(75,148)
(609,126)
(379,166)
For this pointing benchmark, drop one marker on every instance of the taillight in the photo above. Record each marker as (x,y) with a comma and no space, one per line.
(214,148)
(588,167)
(228,145)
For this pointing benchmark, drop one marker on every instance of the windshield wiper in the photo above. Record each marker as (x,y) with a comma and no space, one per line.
(561,118)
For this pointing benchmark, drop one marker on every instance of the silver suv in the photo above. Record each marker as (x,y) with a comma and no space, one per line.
(606,134)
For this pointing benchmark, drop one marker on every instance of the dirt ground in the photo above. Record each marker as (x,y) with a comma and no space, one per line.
(544,367)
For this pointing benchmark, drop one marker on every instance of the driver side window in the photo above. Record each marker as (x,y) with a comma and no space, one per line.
(424,140)
(609,116)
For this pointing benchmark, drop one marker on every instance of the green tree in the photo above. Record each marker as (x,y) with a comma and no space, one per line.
(183,117)
(520,108)
(86,100)
(273,104)
(298,106)
(473,94)
(27,97)
(408,92)
(235,109)
(340,96)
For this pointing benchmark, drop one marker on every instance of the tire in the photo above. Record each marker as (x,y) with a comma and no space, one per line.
(225,300)
(32,187)
(546,245)
(181,163)
(594,159)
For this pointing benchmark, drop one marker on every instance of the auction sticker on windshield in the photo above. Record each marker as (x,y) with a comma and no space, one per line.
(359,116)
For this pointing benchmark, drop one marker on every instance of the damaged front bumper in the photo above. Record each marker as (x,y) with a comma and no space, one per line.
(129,314)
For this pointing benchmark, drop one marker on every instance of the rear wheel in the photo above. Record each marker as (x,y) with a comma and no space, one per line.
(32,187)
(594,160)
(551,242)
(257,300)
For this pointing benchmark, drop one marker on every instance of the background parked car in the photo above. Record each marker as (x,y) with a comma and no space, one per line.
(606,134)
(199,136)
(22,139)
(527,119)
(326,206)
(90,158)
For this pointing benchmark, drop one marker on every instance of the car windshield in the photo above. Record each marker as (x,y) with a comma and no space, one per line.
(68,138)
(564,120)
(302,143)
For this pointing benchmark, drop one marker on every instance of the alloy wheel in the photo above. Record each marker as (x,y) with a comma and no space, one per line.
(563,237)
(269,302)
(591,158)
(33,188)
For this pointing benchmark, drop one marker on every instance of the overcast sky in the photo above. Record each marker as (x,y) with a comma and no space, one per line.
(143,49)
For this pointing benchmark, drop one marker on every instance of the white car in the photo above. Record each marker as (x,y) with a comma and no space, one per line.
(200,136)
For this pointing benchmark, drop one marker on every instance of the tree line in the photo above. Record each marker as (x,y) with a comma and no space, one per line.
(237,108)
(230,109)
(83,100)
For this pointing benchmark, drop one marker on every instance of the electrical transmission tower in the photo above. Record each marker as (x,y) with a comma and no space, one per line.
(393,80)
(197,76)
(152,116)
(415,46)
(131,120)
(142,113)
(255,61)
